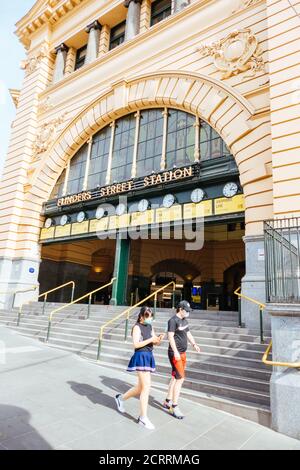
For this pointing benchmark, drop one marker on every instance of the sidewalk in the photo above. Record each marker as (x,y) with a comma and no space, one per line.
(50,399)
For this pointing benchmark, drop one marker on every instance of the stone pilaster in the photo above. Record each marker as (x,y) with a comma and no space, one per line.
(133,18)
(104,40)
(93,31)
(253,284)
(70,62)
(19,260)
(60,62)
(285,382)
(145,16)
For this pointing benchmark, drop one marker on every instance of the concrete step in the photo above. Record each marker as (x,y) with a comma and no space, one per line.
(241,395)
(202,326)
(206,348)
(117,341)
(92,346)
(228,374)
(85,330)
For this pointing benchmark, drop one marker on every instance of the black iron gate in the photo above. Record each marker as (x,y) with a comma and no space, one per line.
(282,248)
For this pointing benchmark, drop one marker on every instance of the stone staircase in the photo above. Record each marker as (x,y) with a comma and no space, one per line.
(228,374)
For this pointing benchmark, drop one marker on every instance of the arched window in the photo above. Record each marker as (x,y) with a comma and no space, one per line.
(137,145)
(123,149)
(99,158)
(180,139)
(77,171)
(150,142)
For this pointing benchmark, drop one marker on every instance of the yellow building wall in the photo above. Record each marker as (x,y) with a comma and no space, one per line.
(161,66)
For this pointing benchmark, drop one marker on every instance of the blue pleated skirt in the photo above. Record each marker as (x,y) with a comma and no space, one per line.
(142,361)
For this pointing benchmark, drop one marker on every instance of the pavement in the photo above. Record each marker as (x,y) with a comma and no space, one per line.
(52,399)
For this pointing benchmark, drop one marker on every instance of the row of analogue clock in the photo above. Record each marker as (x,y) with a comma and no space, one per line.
(229,190)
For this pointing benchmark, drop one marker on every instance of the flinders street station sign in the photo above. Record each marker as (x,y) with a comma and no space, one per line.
(134,184)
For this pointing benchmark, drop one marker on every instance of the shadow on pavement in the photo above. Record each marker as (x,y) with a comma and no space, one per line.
(16,432)
(97,397)
(119,386)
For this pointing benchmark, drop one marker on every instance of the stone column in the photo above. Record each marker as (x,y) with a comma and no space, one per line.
(119,293)
(93,31)
(60,62)
(253,284)
(285,382)
(133,18)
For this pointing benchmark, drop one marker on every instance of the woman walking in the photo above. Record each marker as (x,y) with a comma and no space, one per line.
(143,363)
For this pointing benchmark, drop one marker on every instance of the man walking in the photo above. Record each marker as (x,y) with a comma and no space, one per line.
(178,334)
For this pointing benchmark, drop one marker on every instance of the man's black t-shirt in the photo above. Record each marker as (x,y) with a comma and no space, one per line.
(180,328)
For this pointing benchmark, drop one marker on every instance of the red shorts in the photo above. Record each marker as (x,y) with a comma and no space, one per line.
(178,366)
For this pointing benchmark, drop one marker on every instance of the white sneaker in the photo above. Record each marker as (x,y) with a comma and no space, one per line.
(176,413)
(120,403)
(146,423)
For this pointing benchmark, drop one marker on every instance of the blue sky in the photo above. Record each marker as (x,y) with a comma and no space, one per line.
(11,76)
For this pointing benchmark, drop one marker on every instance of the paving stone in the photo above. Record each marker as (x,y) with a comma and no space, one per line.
(53,400)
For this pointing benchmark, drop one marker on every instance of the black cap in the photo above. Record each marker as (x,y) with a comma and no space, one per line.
(184,305)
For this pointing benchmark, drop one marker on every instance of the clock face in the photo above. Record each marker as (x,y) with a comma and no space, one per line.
(48,223)
(143,205)
(81,217)
(197,195)
(168,200)
(64,220)
(230,189)
(121,209)
(100,212)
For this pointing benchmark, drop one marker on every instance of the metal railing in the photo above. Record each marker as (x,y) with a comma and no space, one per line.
(21,291)
(45,294)
(88,295)
(261,309)
(45,299)
(289,365)
(128,311)
(282,260)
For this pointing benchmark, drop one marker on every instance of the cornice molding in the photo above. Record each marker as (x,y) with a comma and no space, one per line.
(15,95)
(42,13)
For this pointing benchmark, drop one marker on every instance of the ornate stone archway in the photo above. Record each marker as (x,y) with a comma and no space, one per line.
(232,115)
(245,130)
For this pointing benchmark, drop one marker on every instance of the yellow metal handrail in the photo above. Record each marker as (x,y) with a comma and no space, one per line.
(290,365)
(45,299)
(89,295)
(55,289)
(261,309)
(238,293)
(45,294)
(128,311)
(15,292)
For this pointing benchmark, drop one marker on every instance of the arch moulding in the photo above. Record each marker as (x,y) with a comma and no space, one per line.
(227,111)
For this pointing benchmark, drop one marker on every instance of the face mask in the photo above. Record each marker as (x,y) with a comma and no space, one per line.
(148,321)
(185,314)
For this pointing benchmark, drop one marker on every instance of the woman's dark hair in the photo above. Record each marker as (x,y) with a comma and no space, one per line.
(145,312)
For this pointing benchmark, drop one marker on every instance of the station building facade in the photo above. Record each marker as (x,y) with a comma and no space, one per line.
(138,124)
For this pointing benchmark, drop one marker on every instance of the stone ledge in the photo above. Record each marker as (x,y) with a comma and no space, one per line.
(283,310)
